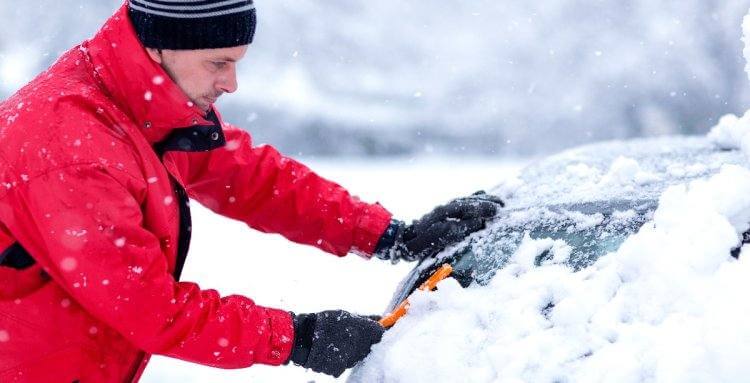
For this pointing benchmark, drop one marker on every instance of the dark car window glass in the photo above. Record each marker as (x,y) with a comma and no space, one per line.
(590,232)
(480,260)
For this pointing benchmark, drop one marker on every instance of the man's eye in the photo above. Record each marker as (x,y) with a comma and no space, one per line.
(219,64)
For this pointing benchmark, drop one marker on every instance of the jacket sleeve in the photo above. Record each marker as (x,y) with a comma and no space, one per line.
(83,225)
(276,194)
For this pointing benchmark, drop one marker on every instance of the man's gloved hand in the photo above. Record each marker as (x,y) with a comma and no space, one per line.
(332,341)
(444,226)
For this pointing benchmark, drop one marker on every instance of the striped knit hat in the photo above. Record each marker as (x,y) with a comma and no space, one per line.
(193,24)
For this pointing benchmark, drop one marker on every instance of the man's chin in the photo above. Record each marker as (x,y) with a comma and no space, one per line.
(202,105)
(206,103)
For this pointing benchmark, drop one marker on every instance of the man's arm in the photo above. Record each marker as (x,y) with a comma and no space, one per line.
(276,194)
(83,225)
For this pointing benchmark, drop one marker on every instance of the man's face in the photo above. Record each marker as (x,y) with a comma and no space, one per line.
(204,74)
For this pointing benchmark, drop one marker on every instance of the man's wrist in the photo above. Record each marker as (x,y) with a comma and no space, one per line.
(304,325)
(388,239)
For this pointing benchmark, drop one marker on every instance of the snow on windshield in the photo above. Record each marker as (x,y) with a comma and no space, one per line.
(639,169)
(668,306)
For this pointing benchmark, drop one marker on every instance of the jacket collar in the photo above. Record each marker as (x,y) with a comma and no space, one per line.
(137,84)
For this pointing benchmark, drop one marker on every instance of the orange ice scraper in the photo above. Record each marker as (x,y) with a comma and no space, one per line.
(443,272)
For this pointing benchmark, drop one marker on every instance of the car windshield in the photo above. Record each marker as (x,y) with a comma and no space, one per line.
(587,231)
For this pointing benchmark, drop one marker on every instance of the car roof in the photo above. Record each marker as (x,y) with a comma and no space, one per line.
(632,170)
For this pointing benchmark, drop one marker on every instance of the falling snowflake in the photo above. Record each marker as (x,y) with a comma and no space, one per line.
(232,145)
(120,242)
(68,264)
(76,233)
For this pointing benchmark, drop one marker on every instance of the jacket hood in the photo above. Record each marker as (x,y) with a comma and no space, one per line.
(137,84)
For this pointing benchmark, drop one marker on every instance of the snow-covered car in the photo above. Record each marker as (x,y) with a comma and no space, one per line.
(543,257)
(592,198)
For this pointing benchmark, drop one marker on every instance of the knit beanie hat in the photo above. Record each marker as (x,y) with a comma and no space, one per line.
(193,24)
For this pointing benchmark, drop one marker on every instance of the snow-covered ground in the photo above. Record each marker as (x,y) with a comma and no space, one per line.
(233,259)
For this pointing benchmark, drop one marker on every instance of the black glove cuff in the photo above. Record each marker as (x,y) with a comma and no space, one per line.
(388,240)
(304,325)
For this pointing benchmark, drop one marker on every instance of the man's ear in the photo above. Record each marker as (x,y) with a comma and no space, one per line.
(155,55)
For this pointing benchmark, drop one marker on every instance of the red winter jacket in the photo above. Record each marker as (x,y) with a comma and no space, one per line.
(92,180)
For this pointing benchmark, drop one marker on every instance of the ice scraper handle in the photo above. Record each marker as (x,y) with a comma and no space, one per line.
(446,225)
(330,342)
(443,272)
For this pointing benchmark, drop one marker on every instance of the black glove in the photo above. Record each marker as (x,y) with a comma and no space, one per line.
(446,225)
(332,341)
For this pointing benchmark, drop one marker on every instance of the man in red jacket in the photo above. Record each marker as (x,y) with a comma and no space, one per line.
(98,157)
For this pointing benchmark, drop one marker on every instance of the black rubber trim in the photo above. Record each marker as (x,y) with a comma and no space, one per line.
(16,257)
(194,138)
(186,228)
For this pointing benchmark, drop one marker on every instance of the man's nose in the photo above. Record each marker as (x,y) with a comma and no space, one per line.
(228,82)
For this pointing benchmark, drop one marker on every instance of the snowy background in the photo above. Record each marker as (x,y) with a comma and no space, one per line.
(478,76)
